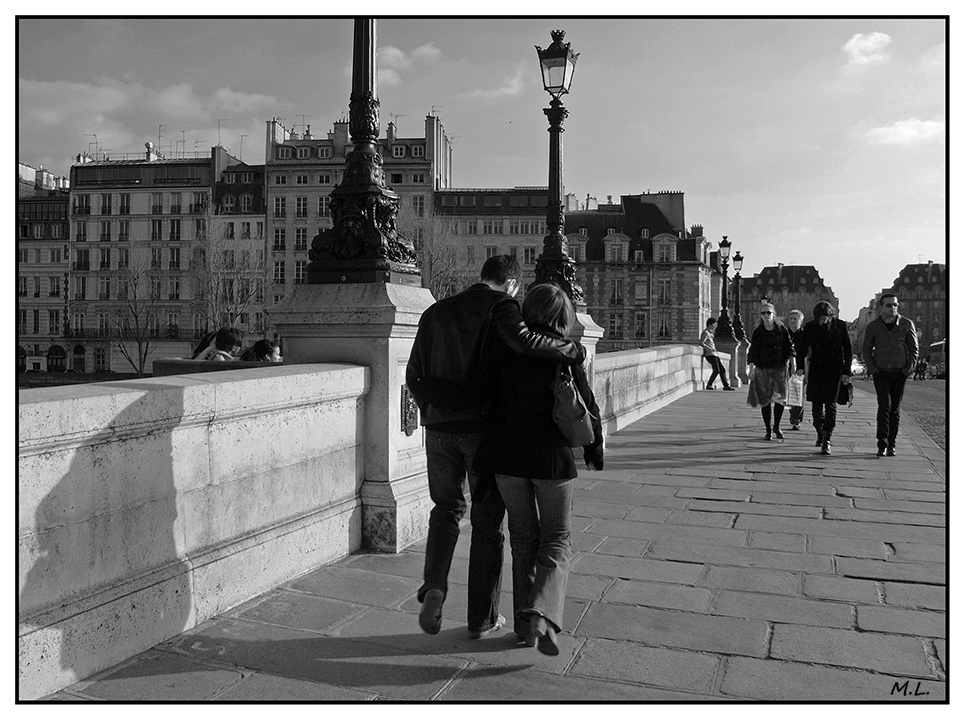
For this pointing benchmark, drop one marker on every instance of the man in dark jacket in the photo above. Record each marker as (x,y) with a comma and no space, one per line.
(445,354)
(890,352)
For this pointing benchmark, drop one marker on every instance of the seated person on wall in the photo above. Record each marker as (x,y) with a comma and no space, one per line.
(227,341)
(262,351)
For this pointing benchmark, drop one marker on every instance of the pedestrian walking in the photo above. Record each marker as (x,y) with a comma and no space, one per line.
(534,468)
(769,359)
(890,351)
(446,379)
(710,355)
(795,323)
(825,353)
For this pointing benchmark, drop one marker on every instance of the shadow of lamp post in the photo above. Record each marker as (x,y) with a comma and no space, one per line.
(554,265)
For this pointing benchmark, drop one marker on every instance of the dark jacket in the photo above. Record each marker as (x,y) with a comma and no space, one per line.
(890,348)
(447,348)
(521,437)
(828,351)
(770,348)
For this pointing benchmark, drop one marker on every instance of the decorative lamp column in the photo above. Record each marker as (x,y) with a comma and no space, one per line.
(361,306)
(364,244)
(739,334)
(724,329)
(554,265)
(738,323)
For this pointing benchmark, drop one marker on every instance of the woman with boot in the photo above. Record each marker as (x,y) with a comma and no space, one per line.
(769,358)
(825,351)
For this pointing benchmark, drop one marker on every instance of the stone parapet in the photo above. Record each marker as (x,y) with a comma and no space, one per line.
(633,383)
(149,506)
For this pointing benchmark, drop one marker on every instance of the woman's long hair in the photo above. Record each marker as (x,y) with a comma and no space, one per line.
(549,306)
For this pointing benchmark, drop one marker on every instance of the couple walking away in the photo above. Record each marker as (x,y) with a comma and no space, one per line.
(482,373)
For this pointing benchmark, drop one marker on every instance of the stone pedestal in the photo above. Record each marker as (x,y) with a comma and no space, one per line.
(731,347)
(371,324)
(741,378)
(588,333)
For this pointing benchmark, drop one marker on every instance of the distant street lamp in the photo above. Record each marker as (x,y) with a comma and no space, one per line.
(724,330)
(738,323)
(554,265)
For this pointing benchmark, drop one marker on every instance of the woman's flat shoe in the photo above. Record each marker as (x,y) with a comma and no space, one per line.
(545,635)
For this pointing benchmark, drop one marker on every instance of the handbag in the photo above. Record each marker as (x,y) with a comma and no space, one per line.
(569,411)
(795,391)
(845,394)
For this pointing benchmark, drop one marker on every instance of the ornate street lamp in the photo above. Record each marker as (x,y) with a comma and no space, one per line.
(724,330)
(363,245)
(554,265)
(738,323)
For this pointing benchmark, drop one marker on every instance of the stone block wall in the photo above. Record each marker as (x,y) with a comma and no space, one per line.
(148,506)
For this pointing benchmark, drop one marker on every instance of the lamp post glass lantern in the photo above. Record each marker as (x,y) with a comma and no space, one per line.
(724,329)
(739,333)
(554,265)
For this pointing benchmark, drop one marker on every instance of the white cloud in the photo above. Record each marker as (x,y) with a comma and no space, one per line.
(427,53)
(512,85)
(934,57)
(866,50)
(394,63)
(907,132)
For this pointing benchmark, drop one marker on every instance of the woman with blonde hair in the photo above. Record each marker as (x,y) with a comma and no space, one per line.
(534,468)
(770,359)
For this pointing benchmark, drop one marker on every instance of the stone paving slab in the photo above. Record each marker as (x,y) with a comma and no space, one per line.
(708,565)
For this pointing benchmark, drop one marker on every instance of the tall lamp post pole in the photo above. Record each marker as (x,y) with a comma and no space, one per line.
(554,265)
(363,246)
(724,329)
(738,323)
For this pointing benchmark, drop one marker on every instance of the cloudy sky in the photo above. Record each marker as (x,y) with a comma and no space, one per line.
(804,140)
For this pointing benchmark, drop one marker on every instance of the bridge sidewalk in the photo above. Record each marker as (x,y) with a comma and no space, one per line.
(708,565)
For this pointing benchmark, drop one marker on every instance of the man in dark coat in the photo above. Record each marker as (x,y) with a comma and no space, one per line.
(442,367)
(826,347)
(890,350)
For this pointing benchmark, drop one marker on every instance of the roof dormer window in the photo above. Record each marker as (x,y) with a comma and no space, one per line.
(398,151)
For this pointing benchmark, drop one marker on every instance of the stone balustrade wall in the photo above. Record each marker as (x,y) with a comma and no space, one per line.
(148,506)
(632,383)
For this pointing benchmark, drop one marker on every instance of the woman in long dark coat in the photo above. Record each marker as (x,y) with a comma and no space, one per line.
(826,347)
(534,469)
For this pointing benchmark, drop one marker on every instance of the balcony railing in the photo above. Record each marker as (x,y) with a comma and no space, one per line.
(81,266)
(157,209)
(105,209)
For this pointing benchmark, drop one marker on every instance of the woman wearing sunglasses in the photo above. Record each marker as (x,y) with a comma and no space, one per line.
(770,360)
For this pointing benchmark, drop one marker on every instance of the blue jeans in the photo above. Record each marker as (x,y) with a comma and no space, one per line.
(449,461)
(539,534)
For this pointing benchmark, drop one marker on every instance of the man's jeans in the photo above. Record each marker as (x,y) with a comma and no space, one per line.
(539,534)
(449,457)
(717,366)
(889,387)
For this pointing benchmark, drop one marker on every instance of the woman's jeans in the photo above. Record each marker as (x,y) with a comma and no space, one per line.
(539,535)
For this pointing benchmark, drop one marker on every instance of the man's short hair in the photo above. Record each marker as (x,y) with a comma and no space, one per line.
(500,269)
(796,313)
(881,300)
(711,321)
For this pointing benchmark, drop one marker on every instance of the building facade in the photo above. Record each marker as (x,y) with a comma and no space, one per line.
(43,255)
(647,279)
(139,238)
(301,171)
(787,287)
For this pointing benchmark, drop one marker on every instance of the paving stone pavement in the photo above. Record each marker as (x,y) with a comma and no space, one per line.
(709,565)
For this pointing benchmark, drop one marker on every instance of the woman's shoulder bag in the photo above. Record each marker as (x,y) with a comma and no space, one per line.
(569,411)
